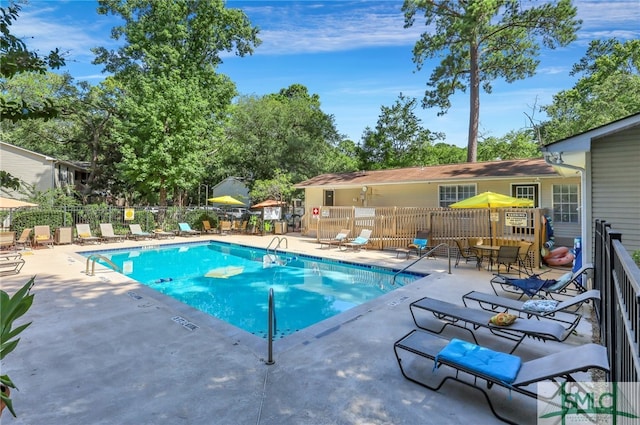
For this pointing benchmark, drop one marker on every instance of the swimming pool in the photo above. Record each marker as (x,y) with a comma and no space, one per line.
(231,282)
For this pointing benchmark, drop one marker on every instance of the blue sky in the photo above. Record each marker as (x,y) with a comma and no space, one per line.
(355,55)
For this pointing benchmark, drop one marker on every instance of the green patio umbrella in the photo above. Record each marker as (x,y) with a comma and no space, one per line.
(226,200)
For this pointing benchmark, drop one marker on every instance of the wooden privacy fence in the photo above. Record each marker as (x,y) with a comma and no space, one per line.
(395,227)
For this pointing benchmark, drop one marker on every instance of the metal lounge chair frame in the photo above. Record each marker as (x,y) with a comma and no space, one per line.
(341,237)
(107,233)
(137,233)
(85,235)
(557,367)
(544,288)
(507,256)
(472,319)
(565,312)
(25,239)
(42,236)
(186,230)
(360,242)
(11,263)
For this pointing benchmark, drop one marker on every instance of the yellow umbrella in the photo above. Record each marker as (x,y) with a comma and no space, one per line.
(14,203)
(492,200)
(226,200)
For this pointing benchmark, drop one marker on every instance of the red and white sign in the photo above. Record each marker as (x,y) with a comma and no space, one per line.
(316,211)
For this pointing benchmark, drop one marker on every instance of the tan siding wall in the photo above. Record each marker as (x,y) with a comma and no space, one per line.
(31,169)
(615,197)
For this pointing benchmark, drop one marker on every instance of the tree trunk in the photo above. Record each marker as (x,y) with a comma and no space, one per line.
(474,104)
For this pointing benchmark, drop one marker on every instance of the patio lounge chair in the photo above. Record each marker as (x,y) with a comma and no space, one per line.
(420,242)
(568,284)
(338,240)
(107,233)
(8,240)
(471,319)
(137,233)
(84,234)
(565,312)
(360,242)
(186,230)
(42,236)
(492,367)
(11,263)
(24,240)
(206,227)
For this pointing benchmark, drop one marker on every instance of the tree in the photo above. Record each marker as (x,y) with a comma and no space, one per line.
(479,41)
(15,59)
(399,139)
(609,89)
(514,145)
(172,102)
(285,130)
(279,188)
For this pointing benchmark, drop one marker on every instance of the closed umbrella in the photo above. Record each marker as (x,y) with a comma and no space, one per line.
(269,203)
(226,200)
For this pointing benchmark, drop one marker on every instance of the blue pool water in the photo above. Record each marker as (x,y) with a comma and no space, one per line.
(232,282)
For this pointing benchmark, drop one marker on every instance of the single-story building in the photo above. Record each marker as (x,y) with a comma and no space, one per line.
(442,185)
(608,160)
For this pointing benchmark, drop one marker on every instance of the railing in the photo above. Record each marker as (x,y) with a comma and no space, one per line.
(279,240)
(92,259)
(427,254)
(618,279)
(272,328)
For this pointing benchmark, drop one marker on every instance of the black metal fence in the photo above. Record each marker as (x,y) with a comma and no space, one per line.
(618,279)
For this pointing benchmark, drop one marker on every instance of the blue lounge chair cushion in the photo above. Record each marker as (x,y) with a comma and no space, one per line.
(421,243)
(560,283)
(359,241)
(531,285)
(502,367)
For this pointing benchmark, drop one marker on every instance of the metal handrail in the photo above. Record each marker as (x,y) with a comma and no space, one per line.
(95,257)
(272,328)
(280,240)
(426,254)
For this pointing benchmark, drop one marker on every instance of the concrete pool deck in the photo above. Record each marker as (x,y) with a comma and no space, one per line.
(104,349)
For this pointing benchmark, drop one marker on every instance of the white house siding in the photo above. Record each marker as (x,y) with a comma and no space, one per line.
(30,167)
(615,197)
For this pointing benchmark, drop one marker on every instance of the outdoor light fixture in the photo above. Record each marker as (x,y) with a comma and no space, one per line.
(556,157)
(364,188)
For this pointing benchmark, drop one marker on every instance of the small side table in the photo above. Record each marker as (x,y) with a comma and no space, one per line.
(404,251)
(63,236)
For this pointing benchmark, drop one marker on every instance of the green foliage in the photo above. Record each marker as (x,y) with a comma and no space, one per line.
(11,309)
(21,220)
(608,90)
(202,216)
(514,145)
(8,181)
(16,58)
(172,100)
(279,188)
(480,41)
(636,257)
(399,139)
(285,131)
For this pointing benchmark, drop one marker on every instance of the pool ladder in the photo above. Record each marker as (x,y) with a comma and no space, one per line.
(93,258)
(272,328)
(279,240)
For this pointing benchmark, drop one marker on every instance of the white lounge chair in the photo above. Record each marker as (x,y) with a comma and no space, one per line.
(360,242)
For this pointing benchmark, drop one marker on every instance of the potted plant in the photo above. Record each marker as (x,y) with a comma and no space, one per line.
(253,223)
(12,308)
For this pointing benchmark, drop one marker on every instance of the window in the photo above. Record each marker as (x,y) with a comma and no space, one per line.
(565,203)
(451,194)
(527,191)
